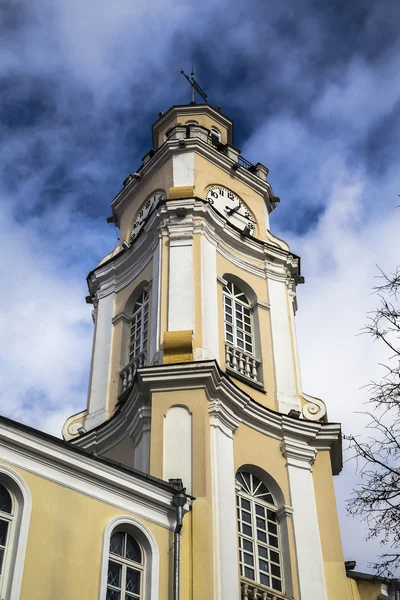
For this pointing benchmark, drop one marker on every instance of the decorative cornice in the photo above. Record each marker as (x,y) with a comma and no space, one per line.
(284,511)
(229,406)
(297,453)
(169,149)
(223,418)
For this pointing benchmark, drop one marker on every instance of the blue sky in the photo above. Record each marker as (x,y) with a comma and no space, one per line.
(314,90)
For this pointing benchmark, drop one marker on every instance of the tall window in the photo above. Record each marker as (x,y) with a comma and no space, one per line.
(139,326)
(258,530)
(125,568)
(238,326)
(6,522)
(215,136)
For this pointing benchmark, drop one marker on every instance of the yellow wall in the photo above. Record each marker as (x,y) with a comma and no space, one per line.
(328,521)
(160,180)
(65,543)
(198,531)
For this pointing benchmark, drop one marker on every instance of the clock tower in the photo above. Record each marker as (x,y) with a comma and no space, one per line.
(195,373)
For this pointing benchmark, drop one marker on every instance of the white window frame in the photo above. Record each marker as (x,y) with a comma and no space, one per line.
(249,509)
(229,296)
(216,133)
(151,555)
(191,123)
(139,319)
(13,565)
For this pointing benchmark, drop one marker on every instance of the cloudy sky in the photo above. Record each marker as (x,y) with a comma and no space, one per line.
(314,90)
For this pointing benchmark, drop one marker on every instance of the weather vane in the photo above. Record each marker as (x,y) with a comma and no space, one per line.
(195,86)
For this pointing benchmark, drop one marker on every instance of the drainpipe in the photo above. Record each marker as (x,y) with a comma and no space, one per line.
(179,501)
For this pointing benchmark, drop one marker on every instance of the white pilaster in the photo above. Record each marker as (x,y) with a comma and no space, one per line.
(101,363)
(300,457)
(141,434)
(223,424)
(155,306)
(180,300)
(209,300)
(183,169)
(284,357)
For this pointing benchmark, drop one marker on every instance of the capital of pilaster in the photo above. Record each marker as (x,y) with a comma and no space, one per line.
(284,511)
(223,418)
(140,424)
(298,454)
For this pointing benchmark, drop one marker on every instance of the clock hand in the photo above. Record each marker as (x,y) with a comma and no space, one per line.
(232,210)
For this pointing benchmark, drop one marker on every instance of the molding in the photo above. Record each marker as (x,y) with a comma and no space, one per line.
(149,545)
(260,304)
(284,511)
(232,407)
(315,409)
(20,538)
(83,474)
(221,280)
(223,418)
(298,454)
(171,148)
(122,316)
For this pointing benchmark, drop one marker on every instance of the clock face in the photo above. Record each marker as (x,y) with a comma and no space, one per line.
(144,212)
(232,208)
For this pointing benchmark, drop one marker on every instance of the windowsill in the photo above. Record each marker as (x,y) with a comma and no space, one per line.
(247,380)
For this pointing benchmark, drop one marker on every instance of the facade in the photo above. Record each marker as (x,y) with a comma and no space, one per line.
(197,435)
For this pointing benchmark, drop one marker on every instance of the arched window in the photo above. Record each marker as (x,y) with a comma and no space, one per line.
(237,316)
(258,531)
(139,327)
(7,514)
(191,123)
(125,568)
(215,135)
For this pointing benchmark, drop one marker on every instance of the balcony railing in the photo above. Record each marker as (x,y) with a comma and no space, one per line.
(251,590)
(242,363)
(128,373)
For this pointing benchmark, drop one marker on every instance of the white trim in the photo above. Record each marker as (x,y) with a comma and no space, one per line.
(152,558)
(180,292)
(178,445)
(154,333)
(209,296)
(310,560)
(21,531)
(226,576)
(88,476)
(183,169)
(99,382)
(286,388)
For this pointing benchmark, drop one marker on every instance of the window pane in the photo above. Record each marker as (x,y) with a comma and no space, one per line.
(245,504)
(263,552)
(247,530)
(5,500)
(271,515)
(261,523)
(276,584)
(246,517)
(3,532)
(247,545)
(133,551)
(275,570)
(248,559)
(114,574)
(261,536)
(273,541)
(112,595)
(263,565)
(133,581)
(117,543)
(274,556)
(264,579)
(273,528)
(249,573)
(260,510)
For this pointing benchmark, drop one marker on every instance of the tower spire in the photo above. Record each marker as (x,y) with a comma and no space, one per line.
(195,86)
